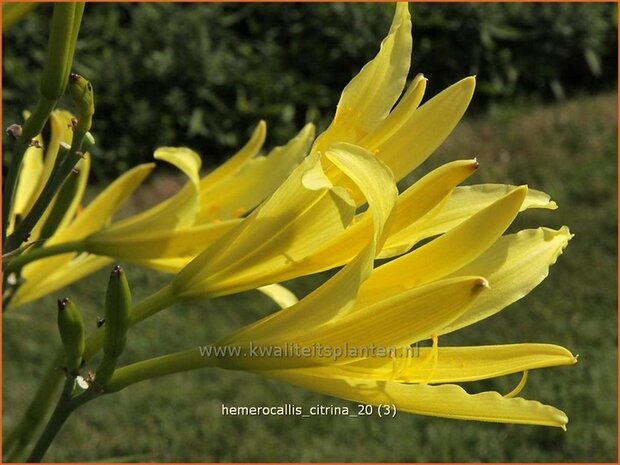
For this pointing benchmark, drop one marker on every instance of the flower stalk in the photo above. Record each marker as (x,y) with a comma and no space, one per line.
(66,20)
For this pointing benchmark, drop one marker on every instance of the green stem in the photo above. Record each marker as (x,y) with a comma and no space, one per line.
(159,366)
(66,21)
(57,249)
(33,126)
(40,405)
(52,186)
(58,418)
(23,433)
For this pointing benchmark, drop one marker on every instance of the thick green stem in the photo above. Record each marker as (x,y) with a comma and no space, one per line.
(22,434)
(58,418)
(58,249)
(159,366)
(66,405)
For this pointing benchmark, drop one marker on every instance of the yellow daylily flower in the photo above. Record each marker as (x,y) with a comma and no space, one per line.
(465,275)
(179,226)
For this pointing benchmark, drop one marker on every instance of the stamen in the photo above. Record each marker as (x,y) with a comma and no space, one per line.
(519,386)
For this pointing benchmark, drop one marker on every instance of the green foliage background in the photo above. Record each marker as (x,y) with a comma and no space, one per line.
(202,75)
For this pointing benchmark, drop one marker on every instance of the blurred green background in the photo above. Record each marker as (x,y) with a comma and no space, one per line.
(203,75)
(297,58)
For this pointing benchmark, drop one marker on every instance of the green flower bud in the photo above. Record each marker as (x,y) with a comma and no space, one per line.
(117,318)
(81,91)
(71,328)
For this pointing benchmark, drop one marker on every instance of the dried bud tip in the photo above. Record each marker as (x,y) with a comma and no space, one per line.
(100,322)
(26,237)
(117,269)
(62,303)
(35,143)
(476,163)
(14,130)
(74,77)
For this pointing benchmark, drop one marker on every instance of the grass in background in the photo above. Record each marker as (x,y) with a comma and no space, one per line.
(567,150)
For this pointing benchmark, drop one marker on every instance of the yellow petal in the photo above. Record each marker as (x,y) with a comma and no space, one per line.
(400,114)
(370,95)
(29,175)
(421,198)
(279,294)
(60,131)
(155,248)
(304,212)
(454,364)
(411,205)
(256,180)
(336,296)
(73,270)
(94,217)
(177,212)
(447,253)
(83,167)
(448,400)
(426,128)
(514,265)
(394,322)
(465,201)
(237,161)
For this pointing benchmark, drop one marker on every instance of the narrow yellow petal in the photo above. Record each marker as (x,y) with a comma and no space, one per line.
(29,175)
(421,198)
(514,265)
(400,114)
(465,201)
(392,323)
(255,181)
(92,218)
(455,364)
(447,253)
(289,226)
(150,246)
(60,131)
(83,167)
(370,95)
(425,129)
(71,271)
(101,209)
(237,161)
(177,212)
(279,294)
(447,400)
(402,319)
(336,296)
